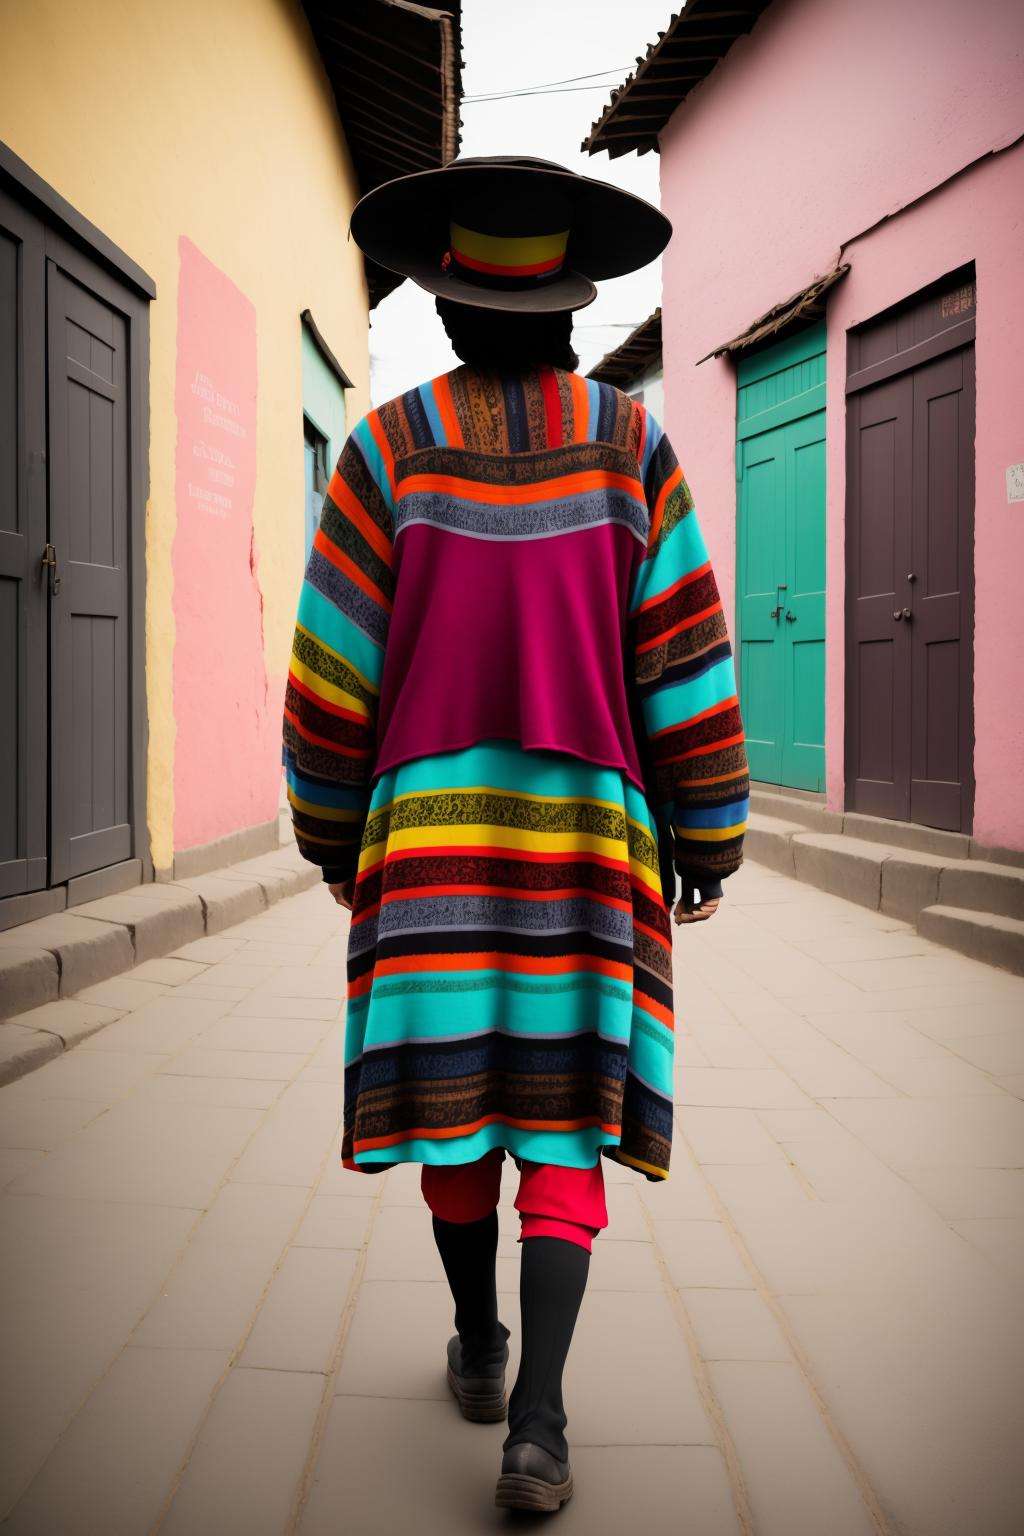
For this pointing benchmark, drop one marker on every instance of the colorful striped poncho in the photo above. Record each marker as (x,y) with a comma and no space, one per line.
(511,709)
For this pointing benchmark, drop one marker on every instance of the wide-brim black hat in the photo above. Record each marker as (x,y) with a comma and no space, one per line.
(508,232)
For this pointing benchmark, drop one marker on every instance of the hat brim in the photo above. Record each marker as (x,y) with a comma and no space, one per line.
(403,225)
(570,290)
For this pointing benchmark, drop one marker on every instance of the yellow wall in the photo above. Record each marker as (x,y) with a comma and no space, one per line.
(211,119)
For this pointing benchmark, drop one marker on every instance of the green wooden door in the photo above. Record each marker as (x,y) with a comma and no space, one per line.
(780,559)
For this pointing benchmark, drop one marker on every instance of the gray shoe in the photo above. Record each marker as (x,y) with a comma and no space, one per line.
(477,1380)
(531,1478)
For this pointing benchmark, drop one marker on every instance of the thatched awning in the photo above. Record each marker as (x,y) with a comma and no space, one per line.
(806,306)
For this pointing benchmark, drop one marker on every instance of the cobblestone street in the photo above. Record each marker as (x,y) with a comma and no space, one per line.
(814,1326)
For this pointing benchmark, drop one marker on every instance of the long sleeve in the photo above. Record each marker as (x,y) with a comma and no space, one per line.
(685,681)
(330,713)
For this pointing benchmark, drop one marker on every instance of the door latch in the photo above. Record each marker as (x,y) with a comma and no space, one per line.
(49,562)
(773,613)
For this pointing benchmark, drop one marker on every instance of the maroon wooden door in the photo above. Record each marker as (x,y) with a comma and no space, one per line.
(909,542)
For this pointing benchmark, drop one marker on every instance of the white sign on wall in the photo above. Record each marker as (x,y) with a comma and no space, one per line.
(1015,482)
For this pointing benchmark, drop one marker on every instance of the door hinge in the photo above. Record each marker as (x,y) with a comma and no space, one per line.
(49,562)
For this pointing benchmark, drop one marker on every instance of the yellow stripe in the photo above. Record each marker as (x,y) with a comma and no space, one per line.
(636,1162)
(323,646)
(328,812)
(509,250)
(325,690)
(709,834)
(330,842)
(422,838)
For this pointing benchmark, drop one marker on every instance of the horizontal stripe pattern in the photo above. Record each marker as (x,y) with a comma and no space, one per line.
(509,960)
(531,920)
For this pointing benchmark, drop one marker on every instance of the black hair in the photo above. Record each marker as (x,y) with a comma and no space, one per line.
(508,339)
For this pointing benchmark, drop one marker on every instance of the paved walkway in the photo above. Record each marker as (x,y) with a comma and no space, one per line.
(814,1327)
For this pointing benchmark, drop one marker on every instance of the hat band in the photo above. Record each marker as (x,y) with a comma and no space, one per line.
(501,259)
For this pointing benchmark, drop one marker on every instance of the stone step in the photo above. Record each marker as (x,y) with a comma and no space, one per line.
(888,878)
(982,935)
(57,956)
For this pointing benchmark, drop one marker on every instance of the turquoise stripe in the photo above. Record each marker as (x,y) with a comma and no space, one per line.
(433,414)
(569,1149)
(594,406)
(319,615)
(474,1002)
(681,552)
(364,440)
(506,765)
(325,794)
(681,701)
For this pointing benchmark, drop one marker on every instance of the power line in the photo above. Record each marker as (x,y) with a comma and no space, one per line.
(550,88)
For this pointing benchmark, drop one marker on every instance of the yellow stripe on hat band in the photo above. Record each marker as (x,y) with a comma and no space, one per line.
(508,250)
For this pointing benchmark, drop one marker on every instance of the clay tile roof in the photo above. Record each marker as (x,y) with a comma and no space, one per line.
(632,358)
(805,306)
(695,41)
(396,72)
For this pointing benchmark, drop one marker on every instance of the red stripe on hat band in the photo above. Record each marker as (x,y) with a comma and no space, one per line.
(527,269)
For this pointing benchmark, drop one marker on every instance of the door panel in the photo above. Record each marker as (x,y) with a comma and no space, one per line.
(878,556)
(781,598)
(910,489)
(89,621)
(23,690)
(941,746)
(803,617)
(760,559)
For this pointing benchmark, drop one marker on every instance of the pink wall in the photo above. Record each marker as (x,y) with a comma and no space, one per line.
(226,762)
(823,121)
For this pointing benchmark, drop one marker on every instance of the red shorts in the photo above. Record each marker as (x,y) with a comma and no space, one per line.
(552,1201)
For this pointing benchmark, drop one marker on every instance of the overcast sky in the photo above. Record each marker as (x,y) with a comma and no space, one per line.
(513,45)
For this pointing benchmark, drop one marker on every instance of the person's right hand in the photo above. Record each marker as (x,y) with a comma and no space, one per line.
(343,893)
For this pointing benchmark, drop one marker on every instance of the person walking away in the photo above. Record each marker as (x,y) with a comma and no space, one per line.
(511,725)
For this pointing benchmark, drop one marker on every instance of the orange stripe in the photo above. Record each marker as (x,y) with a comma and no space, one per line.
(703,751)
(677,629)
(714,778)
(705,714)
(446,411)
(498,960)
(661,597)
(660,1012)
(537,490)
(380,438)
(562,893)
(659,506)
(641,411)
(499,851)
(325,704)
(580,407)
(346,500)
(342,562)
(429,1133)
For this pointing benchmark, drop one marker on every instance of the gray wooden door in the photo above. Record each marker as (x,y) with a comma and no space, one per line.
(910,565)
(23,683)
(90,738)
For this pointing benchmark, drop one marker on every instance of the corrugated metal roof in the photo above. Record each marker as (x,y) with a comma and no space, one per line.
(695,41)
(805,306)
(632,358)
(396,71)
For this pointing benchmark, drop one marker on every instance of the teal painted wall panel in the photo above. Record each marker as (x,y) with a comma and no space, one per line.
(781,560)
(323,401)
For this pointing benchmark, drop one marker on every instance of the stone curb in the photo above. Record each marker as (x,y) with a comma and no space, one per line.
(904,883)
(49,960)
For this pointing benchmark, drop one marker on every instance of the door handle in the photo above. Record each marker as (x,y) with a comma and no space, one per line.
(902,613)
(790,617)
(49,563)
(780,586)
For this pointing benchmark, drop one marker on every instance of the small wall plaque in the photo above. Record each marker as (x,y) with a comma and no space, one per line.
(1015,482)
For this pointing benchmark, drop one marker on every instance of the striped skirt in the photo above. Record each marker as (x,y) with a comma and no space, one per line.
(509,967)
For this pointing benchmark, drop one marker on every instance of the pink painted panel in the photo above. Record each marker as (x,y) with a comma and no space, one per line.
(824,121)
(226,760)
